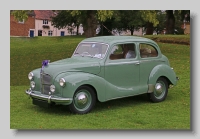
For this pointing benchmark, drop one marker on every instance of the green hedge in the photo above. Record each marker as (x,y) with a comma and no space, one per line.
(177,39)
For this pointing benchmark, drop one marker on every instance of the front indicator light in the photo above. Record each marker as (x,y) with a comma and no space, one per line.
(52,88)
(32,84)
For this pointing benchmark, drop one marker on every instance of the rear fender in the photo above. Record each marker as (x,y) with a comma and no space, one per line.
(161,71)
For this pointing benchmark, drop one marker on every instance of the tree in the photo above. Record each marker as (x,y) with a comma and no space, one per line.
(128,20)
(91,18)
(88,18)
(174,19)
(151,19)
(106,27)
(184,15)
(170,22)
(108,19)
(134,19)
(20,15)
(161,16)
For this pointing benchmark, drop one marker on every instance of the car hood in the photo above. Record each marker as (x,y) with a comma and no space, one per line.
(74,64)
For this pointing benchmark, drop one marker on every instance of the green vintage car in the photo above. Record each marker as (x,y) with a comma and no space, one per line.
(102,69)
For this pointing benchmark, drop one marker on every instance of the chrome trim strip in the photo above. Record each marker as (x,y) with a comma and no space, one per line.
(48,98)
(156,60)
(123,62)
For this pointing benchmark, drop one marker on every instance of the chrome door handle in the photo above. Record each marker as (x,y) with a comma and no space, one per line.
(137,63)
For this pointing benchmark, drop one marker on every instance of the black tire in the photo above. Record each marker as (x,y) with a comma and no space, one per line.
(160,90)
(84,100)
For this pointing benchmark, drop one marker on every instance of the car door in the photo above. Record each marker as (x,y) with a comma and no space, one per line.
(149,57)
(121,74)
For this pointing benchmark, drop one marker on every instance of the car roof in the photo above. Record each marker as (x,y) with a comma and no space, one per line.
(117,39)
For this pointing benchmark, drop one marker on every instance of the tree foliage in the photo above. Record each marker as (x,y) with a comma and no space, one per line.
(150,16)
(128,20)
(174,19)
(88,18)
(115,19)
(20,15)
(123,20)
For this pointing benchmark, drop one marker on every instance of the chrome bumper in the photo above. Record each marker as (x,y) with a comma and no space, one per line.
(48,98)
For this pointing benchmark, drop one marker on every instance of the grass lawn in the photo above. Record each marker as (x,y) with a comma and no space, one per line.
(128,113)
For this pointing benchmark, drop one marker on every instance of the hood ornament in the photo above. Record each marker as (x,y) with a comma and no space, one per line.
(44,64)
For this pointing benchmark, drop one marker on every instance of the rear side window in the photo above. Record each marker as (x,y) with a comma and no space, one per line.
(147,50)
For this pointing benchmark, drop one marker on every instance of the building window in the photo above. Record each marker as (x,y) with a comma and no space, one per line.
(21,22)
(50,33)
(45,22)
(39,32)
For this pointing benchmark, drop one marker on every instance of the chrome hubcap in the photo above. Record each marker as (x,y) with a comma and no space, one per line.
(82,100)
(159,90)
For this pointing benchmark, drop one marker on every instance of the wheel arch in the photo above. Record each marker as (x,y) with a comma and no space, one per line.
(76,80)
(161,71)
(92,87)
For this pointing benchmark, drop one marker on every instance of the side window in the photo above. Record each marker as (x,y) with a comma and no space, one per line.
(123,51)
(147,50)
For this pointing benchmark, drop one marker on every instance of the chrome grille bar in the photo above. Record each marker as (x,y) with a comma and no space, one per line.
(45,83)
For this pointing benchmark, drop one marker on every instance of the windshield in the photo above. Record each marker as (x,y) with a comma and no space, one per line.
(97,50)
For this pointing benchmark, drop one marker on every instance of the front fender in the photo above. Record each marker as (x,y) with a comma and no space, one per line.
(162,70)
(77,79)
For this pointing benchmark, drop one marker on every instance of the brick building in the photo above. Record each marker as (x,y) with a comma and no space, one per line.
(38,24)
(21,28)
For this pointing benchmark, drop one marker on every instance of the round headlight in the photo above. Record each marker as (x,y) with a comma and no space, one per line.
(32,84)
(52,88)
(62,82)
(30,76)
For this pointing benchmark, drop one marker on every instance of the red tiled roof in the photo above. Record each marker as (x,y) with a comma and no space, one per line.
(44,14)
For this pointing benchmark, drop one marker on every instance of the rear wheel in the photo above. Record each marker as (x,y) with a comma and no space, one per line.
(84,100)
(160,91)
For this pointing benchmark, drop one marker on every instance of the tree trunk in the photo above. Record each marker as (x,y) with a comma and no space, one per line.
(170,22)
(149,28)
(132,30)
(77,28)
(91,24)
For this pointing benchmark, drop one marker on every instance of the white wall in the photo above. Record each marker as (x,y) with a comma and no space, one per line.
(55,31)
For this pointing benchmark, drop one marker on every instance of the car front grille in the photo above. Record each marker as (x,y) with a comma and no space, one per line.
(45,83)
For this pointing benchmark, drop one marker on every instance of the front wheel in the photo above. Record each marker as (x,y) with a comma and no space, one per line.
(160,91)
(84,100)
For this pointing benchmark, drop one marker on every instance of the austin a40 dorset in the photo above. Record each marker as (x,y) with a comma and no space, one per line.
(102,69)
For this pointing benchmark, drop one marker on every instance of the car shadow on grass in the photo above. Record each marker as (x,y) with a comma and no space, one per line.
(133,101)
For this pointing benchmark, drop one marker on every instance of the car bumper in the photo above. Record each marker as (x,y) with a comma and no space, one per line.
(48,98)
